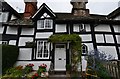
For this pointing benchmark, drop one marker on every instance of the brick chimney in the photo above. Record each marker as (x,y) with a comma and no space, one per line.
(30,8)
(79,8)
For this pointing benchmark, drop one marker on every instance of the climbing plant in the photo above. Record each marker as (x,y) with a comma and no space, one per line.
(75,45)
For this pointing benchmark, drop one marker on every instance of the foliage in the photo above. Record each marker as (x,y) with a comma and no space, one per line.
(68,67)
(94,63)
(42,68)
(14,72)
(35,76)
(75,45)
(28,68)
(9,56)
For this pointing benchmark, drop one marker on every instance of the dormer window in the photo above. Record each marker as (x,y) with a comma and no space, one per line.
(45,24)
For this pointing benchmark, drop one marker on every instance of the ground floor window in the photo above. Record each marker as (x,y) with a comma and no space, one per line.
(42,49)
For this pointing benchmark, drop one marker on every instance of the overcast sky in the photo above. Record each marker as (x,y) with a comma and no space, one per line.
(103,7)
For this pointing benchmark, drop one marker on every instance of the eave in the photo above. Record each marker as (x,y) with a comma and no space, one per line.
(89,21)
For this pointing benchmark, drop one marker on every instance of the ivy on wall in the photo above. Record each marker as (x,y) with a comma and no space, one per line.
(75,45)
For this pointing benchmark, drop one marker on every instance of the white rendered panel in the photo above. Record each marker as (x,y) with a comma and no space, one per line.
(109,38)
(86,37)
(12,42)
(11,30)
(99,38)
(108,50)
(23,40)
(43,35)
(87,26)
(25,54)
(1,29)
(118,39)
(76,28)
(116,28)
(103,28)
(60,28)
(27,31)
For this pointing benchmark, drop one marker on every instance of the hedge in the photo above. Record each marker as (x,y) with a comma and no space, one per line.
(9,56)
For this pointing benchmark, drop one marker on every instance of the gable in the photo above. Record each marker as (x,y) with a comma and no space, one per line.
(44,12)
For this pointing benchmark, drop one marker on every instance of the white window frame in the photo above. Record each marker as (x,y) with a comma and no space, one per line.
(41,24)
(41,45)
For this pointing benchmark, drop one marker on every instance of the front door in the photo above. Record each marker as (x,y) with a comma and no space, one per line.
(60,57)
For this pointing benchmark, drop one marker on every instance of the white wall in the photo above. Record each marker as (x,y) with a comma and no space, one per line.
(109,38)
(27,31)
(1,29)
(25,54)
(36,64)
(76,28)
(11,30)
(99,38)
(89,46)
(43,35)
(116,28)
(86,37)
(60,28)
(109,50)
(118,39)
(105,28)
(23,40)
(12,42)
(87,26)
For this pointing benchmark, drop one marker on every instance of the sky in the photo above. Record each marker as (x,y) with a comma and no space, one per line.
(102,7)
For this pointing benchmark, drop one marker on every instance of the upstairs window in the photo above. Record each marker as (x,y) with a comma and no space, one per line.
(45,24)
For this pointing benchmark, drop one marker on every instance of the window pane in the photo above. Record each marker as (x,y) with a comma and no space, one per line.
(48,23)
(40,48)
(41,23)
(45,49)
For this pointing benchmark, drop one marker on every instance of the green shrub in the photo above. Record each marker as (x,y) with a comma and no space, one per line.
(9,56)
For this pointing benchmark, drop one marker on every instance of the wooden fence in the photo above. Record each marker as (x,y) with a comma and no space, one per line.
(113,67)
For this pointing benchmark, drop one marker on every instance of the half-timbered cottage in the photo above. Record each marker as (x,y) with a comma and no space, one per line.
(31,31)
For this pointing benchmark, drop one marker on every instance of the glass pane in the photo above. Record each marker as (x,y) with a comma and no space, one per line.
(48,23)
(40,48)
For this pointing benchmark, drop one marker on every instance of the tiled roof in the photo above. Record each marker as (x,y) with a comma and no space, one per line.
(70,16)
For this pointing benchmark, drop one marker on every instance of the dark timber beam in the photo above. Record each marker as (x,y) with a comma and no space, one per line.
(93,37)
(115,40)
